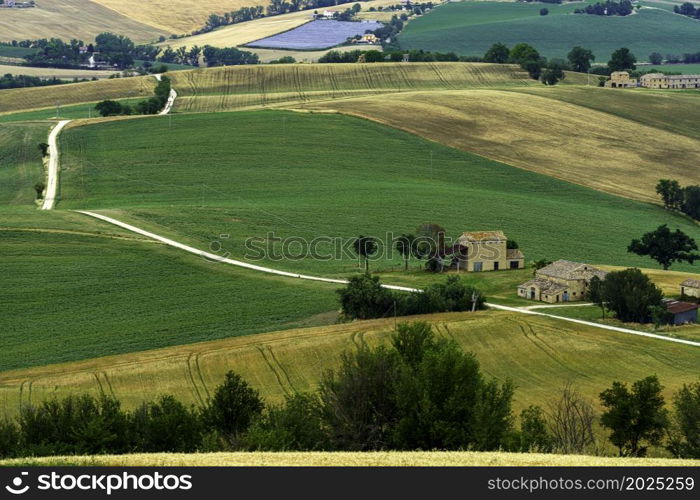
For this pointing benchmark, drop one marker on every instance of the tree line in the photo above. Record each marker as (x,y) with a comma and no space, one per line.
(607,8)
(687,9)
(150,106)
(419,392)
(683,199)
(9,81)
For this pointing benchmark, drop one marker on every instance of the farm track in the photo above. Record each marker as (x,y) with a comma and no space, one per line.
(53,167)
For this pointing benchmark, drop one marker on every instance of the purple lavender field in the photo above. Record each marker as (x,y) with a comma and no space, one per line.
(316,35)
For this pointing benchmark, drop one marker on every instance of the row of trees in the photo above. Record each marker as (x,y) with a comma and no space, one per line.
(684,199)
(539,68)
(418,393)
(687,9)
(9,81)
(364,297)
(149,106)
(607,8)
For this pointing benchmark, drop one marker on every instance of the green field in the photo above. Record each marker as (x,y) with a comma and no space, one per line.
(303,175)
(72,112)
(19,52)
(684,69)
(20,161)
(470,28)
(73,296)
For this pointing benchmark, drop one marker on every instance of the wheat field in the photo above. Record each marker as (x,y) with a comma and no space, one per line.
(570,142)
(75,93)
(67,19)
(243,33)
(538,353)
(350,459)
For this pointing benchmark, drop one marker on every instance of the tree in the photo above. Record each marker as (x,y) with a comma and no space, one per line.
(534,432)
(528,58)
(374,56)
(622,59)
(405,245)
(656,58)
(685,436)
(498,53)
(365,246)
(636,418)
(631,295)
(580,59)
(166,425)
(544,11)
(233,408)
(359,400)
(430,239)
(297,425)
(365,298)
(691,201)
(108,108)
(666,247)
(39,188)
(571,422)
(551,75)
(671,193)
(594,293)
(44,148)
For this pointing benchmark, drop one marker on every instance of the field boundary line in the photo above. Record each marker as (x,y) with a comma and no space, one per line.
(52,171)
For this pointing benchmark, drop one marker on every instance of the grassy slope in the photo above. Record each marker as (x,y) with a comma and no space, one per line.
(65,74)
(72,112)
(304,175)
(74,296)
(344,459)
(67,19)
(459,27)
(539,354)
(548,136)
(14,100)
(20,161)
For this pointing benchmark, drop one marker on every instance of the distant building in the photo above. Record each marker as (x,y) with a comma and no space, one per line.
(681,312)
(621,80)
(661,81)
(690,288)
(484,251)
(369,38)
(561,281)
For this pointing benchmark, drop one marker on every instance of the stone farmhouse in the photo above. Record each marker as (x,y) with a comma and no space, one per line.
(690,288)
(484,251)
(560,281)
(661,81)
(621,80)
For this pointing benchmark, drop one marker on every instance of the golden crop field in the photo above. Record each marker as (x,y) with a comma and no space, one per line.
(75,93)
(243,33)
(538,353)
(350,459)
(67,74)
(570,142)
(175,16)
(67,19)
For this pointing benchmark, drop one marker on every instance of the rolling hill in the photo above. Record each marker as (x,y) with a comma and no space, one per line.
(68,19)
(470,28)
(296,175)
(539,354)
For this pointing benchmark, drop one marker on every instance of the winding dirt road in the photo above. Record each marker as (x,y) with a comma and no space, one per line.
(52,174)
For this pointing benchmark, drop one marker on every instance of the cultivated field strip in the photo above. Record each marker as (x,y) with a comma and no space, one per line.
(570,142)
(75,93)
(538,353)
(344,77)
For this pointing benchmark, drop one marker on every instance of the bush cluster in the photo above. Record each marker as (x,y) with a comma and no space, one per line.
(365,298)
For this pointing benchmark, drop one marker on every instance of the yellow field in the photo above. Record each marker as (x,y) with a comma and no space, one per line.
(538,353)
(175,16)
(549,136)
(67,19)
(243,33)
(75,93)
(351,459)
(67,74)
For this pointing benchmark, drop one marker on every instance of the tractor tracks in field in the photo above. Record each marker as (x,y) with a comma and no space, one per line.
(195,378)
(277,369)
